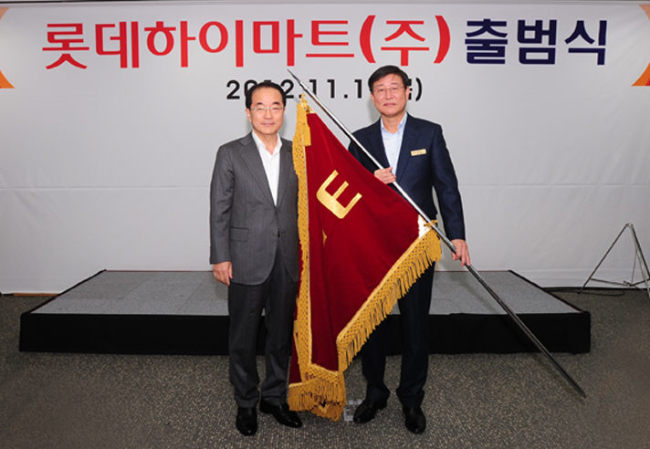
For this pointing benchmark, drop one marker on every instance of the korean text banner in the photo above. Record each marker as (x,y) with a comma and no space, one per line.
(111,114)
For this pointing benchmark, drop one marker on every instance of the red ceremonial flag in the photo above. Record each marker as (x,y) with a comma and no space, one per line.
(362,247)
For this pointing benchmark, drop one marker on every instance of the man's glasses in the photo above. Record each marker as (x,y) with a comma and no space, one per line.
(275,109)
(383,91)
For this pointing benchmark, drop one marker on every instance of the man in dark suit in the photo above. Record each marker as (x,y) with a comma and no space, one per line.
(414,154)
(254,251)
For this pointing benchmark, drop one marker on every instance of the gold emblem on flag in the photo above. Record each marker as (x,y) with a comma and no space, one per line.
(331,201)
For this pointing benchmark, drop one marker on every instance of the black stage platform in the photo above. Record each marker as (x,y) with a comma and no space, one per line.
(160,312)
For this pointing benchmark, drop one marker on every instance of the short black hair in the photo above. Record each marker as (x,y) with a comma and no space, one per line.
(388,70)
(265,83)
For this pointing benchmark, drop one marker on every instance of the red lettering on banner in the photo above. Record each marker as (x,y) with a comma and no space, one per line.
(239,43)
(366,30)
(166,35)
(291,45)
(328,39)
(445,39)
(274,28)
(185,39)
(405,27)
(317,38)
(121,38)
(223,37)
(266,39)
(54,36)
(406,31)
(160,41)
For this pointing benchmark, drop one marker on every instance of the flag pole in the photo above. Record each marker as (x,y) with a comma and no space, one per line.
(531,336)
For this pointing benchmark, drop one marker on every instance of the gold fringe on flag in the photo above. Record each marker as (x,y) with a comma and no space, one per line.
(322,391)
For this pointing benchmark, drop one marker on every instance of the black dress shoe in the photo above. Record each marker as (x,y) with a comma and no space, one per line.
(281,413)
(414,419)
(246,420)
(367,410)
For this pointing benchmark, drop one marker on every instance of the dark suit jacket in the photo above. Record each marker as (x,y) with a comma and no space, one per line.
(246,227)
(423,163)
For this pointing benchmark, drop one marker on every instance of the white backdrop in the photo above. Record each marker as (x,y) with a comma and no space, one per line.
(109,166)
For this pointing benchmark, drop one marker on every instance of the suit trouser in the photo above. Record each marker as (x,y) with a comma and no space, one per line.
(277,297)
(414,313)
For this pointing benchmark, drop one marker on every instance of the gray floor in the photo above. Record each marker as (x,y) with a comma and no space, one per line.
(197,293)
(483,400)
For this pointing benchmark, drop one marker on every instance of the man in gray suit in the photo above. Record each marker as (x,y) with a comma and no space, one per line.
(254,251)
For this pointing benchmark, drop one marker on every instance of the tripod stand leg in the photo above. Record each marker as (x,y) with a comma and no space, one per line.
(642,261)
(603,258)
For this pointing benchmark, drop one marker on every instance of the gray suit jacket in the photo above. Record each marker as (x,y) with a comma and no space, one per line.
(246,227)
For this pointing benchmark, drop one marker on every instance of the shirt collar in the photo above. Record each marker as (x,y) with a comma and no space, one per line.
(400,127)
(262,147)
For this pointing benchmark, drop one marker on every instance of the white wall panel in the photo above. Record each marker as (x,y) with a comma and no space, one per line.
(109,167)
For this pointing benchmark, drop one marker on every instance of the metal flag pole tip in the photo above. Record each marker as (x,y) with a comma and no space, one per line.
(531,336)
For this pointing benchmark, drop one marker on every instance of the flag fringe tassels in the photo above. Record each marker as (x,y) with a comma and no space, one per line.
(322,391)
(422,253)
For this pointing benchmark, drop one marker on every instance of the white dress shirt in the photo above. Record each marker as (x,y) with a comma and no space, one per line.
(271,163)
(393,142)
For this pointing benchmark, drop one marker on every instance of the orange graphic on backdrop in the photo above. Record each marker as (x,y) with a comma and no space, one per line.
(644,79)
(4,82)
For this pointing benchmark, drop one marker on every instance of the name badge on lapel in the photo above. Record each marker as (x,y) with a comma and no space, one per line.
(419,152)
